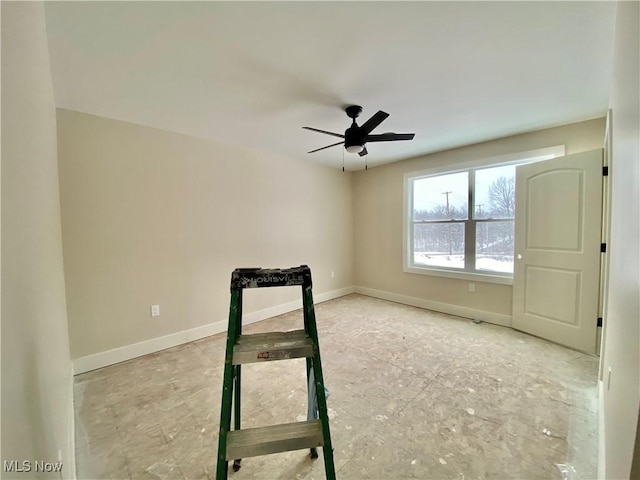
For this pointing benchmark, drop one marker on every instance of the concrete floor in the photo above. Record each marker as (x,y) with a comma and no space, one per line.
(414,394)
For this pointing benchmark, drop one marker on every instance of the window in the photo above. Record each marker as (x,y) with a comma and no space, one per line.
(461,222)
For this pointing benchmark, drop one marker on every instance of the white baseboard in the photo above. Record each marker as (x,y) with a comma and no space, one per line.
(466,312)
(127,352)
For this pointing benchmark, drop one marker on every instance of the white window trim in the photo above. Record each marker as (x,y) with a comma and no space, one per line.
(503,160)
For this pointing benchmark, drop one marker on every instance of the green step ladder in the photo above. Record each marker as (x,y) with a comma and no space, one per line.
(264,347)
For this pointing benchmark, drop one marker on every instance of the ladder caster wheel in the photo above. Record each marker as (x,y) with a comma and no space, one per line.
(314,453)
(236,465)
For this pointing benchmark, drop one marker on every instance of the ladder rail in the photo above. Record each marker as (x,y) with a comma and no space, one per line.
(237,383)
(227,386)
(310,323)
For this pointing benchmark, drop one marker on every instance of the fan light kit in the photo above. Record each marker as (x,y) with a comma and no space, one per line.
(355,137)
(354,148)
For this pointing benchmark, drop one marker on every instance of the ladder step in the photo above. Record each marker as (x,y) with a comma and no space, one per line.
(252,442)
(265,347)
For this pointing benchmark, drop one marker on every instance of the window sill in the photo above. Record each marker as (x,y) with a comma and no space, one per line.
(476,277)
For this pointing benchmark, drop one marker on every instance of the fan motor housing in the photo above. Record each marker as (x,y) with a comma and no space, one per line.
(353,136)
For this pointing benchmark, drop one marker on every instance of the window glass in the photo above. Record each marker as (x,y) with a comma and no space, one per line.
(443,197)
(439,244)
(495,192)
(494,246)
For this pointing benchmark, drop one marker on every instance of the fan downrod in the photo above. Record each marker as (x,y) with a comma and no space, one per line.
(353,111)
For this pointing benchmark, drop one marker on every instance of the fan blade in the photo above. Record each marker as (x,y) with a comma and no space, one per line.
(328,146)
(389,137)
(373,122)
(324,131)
(363,152)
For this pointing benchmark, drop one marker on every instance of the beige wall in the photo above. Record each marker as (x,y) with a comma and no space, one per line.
(622,342)
(378,207)
(37,403)
(153,217)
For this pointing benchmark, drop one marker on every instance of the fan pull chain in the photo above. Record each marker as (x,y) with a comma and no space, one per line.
(343,159)
(365,161)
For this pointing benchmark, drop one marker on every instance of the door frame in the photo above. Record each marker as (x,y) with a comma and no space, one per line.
(605,239)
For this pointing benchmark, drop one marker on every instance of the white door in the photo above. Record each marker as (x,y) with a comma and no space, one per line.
(557,249)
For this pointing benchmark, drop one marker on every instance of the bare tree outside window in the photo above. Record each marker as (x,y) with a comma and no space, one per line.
(495,192)
(502,197)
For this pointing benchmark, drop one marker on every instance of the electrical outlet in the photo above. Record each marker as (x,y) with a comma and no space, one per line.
(472,287)
(155,310)
(333,274)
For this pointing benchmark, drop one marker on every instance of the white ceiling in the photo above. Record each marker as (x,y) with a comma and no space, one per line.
(254,73)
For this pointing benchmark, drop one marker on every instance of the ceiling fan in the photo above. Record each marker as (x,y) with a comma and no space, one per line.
(356,136)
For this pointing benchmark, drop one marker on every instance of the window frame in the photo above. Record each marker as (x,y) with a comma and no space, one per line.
(470,223)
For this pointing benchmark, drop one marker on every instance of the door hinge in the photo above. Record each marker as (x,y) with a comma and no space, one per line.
(603,248)
(605,171)
(599,324)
